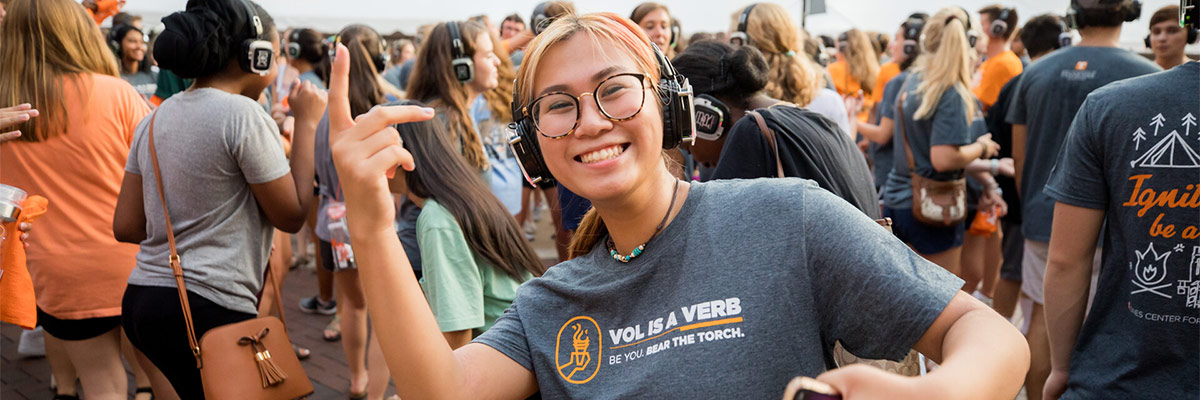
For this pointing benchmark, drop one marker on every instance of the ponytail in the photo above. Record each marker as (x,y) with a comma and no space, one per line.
(946,64)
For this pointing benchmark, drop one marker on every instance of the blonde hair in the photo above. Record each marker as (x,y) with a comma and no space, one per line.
(946,62)
(792,76)
(861,58)
(619,34)
(41,42)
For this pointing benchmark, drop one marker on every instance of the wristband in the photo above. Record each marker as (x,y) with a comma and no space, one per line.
(995,167)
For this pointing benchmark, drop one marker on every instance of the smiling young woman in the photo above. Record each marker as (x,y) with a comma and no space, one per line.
(705,294)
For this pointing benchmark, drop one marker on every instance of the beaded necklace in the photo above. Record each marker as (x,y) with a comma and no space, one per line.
(637,251)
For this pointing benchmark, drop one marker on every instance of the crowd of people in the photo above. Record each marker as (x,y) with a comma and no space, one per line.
(739,204)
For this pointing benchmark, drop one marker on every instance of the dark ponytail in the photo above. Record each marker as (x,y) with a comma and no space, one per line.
(200,41)
(716,68)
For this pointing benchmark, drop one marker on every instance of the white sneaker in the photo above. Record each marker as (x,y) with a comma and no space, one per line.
(32,343)
(530,230)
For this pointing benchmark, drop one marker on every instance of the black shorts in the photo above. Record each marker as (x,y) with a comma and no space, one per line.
(1013,249)
(153,320)
(76,329)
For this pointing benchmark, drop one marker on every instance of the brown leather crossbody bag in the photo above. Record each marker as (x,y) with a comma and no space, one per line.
(248,360)
(934,203)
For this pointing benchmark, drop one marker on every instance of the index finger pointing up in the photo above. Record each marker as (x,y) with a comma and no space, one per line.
(339,91)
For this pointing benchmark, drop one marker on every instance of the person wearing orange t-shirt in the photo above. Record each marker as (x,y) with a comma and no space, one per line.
(887,71)
(1000,63)
(856,69)
(73,154)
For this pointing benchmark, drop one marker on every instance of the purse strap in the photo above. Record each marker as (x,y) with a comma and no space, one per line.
(177,266)
(770,136)
(908,154)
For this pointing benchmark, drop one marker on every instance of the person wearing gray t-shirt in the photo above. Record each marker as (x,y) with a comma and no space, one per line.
(1043,106)
(1130,169)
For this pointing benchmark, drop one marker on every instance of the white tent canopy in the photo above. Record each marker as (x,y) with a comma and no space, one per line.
(695,15)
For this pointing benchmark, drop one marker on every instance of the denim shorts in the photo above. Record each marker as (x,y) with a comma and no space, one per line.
(923,238)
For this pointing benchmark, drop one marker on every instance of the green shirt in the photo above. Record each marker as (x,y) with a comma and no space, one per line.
(464,291)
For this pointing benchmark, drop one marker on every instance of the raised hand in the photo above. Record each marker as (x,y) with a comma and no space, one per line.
(307,101)
(12,116)
(366,151)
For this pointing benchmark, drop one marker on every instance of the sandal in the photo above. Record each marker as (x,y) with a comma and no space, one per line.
(143,390)
(335,326)
(301,353)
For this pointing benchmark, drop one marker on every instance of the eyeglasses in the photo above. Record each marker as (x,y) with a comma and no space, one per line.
(619,97)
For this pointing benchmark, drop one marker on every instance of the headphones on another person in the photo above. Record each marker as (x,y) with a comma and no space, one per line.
(1134,13)
(380,60)
(1192,34)
(912,36)
(463,66)
(114,42)
(740,38)
(843,44)
(972,37)
(1000,24)
(1064,36)
(259,54)
(539,21)
(679,120)
(712,117)
(293,49)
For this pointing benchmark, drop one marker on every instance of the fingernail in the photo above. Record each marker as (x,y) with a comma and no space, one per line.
(391,173)
(427,110)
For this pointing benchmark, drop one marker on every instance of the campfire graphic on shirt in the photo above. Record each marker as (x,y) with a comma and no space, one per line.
(1150,271)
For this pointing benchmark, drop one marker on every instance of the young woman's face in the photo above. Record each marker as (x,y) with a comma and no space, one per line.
(620,155)
(133,47)
(1167,38)
(657,25)
(896,46)
(487,75)
(407,52)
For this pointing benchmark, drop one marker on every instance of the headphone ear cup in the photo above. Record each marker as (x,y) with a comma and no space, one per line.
(524,144)
(1192,35)
(1146,40)
(116,47)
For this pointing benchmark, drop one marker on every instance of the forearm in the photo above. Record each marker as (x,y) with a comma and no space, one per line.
(421,361)
(1069,273)
(950,158)
(984,357)
(303,168)
(878,134)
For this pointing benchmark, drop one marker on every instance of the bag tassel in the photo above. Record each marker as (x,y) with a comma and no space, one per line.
(268,372)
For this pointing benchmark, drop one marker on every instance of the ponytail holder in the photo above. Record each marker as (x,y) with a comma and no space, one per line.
(790,53)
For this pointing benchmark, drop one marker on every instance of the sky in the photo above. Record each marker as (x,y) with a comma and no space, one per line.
(387,16)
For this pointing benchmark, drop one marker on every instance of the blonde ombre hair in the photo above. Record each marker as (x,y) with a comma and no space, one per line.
(41,42)
(862,60)
(627,38)
(946,61)
(792,76)
(619,34)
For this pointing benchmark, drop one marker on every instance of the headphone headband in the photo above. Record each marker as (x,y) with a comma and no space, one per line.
(456,44)
(741,38)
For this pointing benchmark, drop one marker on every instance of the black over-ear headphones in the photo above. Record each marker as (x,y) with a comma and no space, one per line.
(259,54)
(740,38)
(1000,24)
(972,37)
(293,49)
(843,43)
(464,67)
(114,42)
(380,60)
(1064,35)
(676,31)
(712,118)
(539,21)
(912,36)
(679,120)
(1192,34)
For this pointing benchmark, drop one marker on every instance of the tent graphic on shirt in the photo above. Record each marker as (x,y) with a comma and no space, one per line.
(1171,152)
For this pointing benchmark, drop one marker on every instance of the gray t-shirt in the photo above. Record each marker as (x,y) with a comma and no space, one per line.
(1049,94)
(947,126)
(718,308)
(212,145)
(882,153)
(145,83)
(1133,152)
